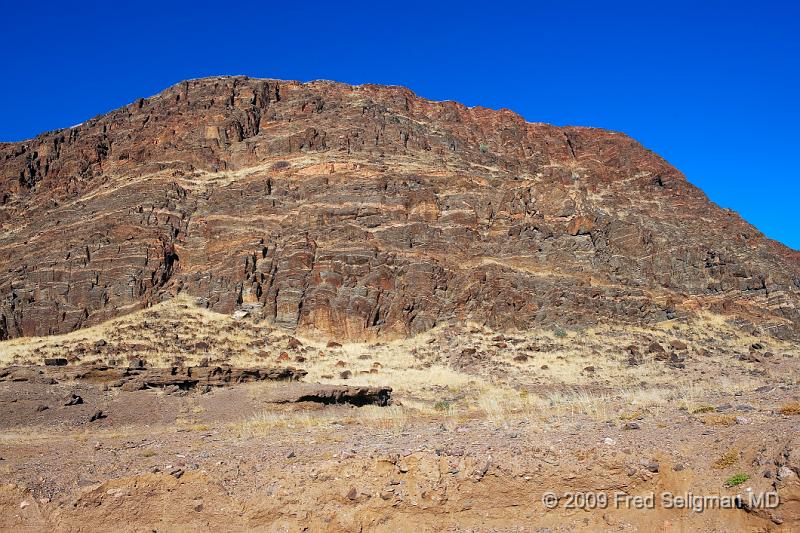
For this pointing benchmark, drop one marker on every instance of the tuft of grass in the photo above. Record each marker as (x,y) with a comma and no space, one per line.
(718,420)
(635,415)
(737,479)
(704,409)
(791,408)
(729,458)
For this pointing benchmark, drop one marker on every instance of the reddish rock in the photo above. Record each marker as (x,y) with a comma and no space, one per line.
(378,213)
(580,226)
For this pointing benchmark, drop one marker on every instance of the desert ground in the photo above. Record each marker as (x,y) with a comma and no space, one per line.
(481,428)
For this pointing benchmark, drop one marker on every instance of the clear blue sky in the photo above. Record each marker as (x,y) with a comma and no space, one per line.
(711,86)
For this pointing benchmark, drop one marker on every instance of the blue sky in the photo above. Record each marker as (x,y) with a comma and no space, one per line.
(711,86)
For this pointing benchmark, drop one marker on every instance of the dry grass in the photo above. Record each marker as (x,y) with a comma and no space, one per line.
(718,420)
(395,418)
(265,422)
(790,408)
(727,459)
(424,373)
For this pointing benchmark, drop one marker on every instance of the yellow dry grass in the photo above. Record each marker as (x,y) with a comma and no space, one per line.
(790,408)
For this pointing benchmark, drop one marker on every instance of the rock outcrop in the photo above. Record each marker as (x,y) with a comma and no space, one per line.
(335,394)
(366,211)
(131,379)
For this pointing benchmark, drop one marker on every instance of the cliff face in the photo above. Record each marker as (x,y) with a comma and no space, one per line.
(366,211)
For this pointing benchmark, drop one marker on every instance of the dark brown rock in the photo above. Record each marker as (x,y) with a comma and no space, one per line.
(133,379)
(655,348)
(678,345)
(337,394)
(73,399)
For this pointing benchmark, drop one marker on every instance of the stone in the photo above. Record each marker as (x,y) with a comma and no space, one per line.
(137,363)
(651,466)
(294,343)
(56,361)
(73,399)
(678,345)
(784,473)
(655,348)
(133,385)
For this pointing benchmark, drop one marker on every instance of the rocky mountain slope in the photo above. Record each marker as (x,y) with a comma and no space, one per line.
(358,212)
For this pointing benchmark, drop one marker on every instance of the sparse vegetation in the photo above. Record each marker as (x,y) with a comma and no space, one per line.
(719,420)
(735,480)
(791,408)
(441,405)
(727,459)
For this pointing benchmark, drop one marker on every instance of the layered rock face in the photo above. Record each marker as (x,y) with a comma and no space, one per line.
(359,212)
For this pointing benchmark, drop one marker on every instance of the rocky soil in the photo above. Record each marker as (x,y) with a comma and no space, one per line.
(462,428)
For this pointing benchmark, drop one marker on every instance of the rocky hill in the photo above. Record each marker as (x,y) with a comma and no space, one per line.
(359,212)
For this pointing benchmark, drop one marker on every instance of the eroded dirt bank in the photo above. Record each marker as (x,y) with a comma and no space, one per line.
(230,459)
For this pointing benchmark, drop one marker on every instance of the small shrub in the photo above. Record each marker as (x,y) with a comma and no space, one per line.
(560,333)
(738,479)
(703,409)
(441,405)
